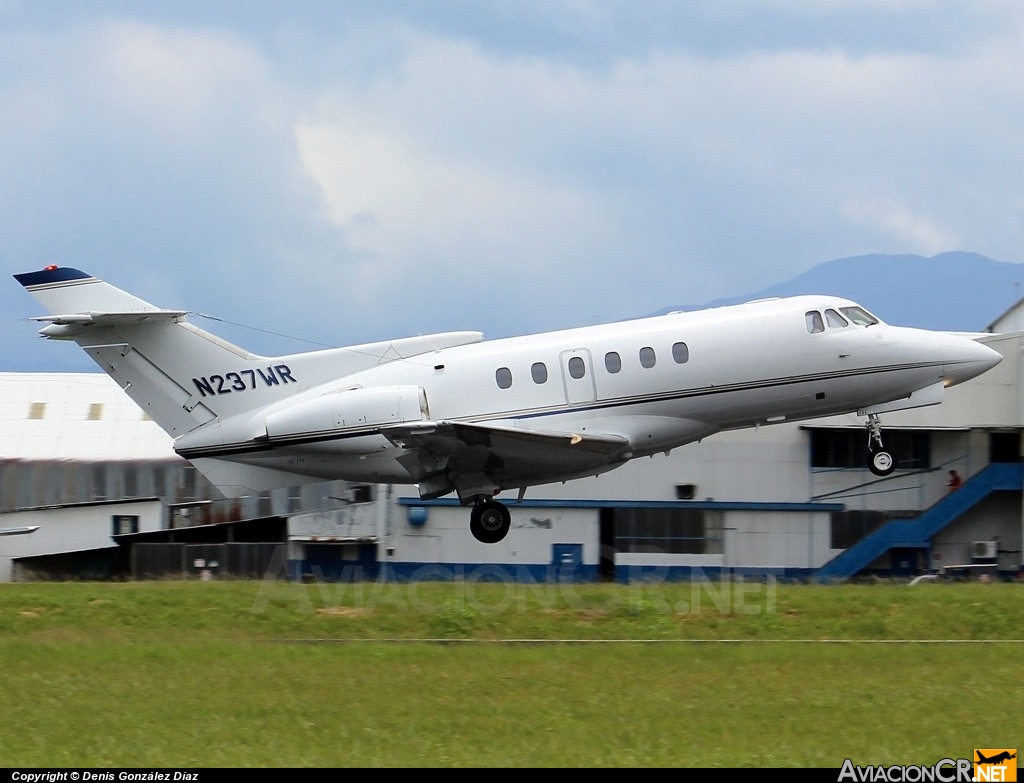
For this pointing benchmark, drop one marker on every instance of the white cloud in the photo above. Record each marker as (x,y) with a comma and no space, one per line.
(178,76)
(426,180)
(909,232)
(404,205)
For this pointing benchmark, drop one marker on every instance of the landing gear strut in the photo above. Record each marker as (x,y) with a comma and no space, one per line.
(880,461)
(489,521)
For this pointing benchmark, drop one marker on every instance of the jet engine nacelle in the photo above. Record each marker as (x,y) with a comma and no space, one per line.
(350,409)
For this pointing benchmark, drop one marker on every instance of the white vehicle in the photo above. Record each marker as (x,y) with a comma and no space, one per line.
(451,412)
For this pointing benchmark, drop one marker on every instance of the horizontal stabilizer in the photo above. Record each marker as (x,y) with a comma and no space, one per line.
(111,319)
(69,325)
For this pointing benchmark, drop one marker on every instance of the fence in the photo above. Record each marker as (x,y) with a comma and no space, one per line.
(179,561)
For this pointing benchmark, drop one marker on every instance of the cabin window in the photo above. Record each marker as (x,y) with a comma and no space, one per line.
(647,357)
(503,376)
(835,320)
(681,353)
(612,362)
(577,367)
(815,323)
(539,372)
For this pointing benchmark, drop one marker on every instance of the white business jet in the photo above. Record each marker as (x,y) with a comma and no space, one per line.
(451,412)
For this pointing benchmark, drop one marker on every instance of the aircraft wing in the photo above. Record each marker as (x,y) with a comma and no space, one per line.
(479,458)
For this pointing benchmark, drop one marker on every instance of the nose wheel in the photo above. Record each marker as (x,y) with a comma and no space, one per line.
(881,462)
(489,521)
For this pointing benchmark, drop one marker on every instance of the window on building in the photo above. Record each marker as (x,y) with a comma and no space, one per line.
(837,448)
(503,377)
(123,524)
(849,527)
(539,372)
(188,483)
(612,362)
(95,411)
(669,530)
(37,410)
(362,493)
(99,481)
(295,498)
(131,479)
(647,358)
(681,353)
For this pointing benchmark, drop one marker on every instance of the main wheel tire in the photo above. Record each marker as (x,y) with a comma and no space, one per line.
(489,522)
(881,462)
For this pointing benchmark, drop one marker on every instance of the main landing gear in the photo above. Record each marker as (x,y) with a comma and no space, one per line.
(880,461)
(489,521)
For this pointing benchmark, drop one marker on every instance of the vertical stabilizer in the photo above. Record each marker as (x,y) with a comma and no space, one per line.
(176,372)
(66,290)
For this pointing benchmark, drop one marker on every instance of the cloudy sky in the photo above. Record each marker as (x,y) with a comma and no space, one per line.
(352,171)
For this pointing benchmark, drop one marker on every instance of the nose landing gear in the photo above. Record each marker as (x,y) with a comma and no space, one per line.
(881,462)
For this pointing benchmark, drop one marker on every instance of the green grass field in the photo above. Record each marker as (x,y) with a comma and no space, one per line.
(247,674)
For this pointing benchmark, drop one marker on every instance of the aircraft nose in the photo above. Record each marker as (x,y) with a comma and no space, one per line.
(964,359)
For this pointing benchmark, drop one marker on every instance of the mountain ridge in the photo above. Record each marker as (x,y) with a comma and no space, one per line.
(952,291)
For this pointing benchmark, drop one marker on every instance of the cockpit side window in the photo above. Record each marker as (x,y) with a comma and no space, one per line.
(815,323)
(859,316)
(835,320)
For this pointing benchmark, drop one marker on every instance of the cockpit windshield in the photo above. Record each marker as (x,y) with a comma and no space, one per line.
(859,316)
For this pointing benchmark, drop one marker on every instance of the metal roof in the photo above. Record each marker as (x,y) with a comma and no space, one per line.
(78,416)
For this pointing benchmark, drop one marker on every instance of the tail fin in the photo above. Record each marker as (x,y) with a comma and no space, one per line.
(66,290)
(184,377)
(177,373)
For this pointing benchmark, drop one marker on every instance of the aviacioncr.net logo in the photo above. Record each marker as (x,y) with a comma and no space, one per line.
(943,771)
(995,765)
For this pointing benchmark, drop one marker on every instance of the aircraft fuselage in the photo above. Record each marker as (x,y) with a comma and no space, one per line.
(657,382)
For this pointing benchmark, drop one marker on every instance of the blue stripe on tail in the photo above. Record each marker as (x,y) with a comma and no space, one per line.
(52,274)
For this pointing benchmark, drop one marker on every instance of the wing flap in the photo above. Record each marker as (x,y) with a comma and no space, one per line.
(486,458)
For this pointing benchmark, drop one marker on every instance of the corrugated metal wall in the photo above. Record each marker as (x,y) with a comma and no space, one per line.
(28,484)
(42,483)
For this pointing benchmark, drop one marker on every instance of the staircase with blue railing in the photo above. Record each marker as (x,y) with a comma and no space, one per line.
(917,532)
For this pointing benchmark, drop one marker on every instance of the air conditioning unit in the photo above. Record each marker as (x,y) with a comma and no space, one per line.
(984,550)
